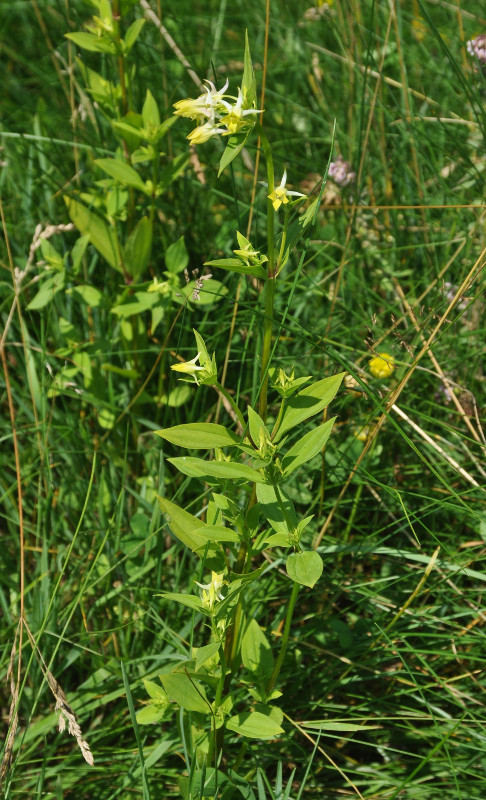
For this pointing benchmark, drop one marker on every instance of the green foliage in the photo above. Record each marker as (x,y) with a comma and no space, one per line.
(106,214)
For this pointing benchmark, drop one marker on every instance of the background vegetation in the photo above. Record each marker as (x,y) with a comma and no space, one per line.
(385,672)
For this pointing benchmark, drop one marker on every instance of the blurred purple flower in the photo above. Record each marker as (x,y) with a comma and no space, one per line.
(340,172)
(477,48)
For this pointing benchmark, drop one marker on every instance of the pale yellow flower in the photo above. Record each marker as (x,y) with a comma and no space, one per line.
(235,118)
(211,592)
(280,195)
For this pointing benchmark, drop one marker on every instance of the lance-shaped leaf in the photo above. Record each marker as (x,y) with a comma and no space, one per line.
(185,526)
(186,692)
(256,652)
(199,436)
(237,265)
(89,41)
(100,234)
(278,509)
(222,470)
(306,448)
(308,402)
(254,725)
(121,171)
(138,248)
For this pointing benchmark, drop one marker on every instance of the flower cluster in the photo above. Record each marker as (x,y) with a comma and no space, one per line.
(340,172)
(211,592)
(215,116)
(477,48)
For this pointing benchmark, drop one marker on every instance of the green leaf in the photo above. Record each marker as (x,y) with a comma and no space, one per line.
(236,265)
(176,256)
(199,435)
(186,692)
(222,470)
(133,33)
(184,525)
(121,171)
(49,287)
(150,714)
(100,234)
(218,533)
(233,148)
(255,424)
(129,129)
(256,652)
(138,248)
(189,600)
(306,448)
(210,292)
(203,654)
(78,251)
(172,171)
(154,690)
(89,295)
(305,568)
(248,83)
(150,112)
(142,302)
(89,41)
(254,725)
(278,509)
(308,402)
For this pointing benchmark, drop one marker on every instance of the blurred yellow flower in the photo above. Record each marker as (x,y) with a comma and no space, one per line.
(382,365)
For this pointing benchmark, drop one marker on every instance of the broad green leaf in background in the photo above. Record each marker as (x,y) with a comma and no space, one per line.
(278,509)
(189,600)
(218,533)
(89,41)
(121,171)
(89,295)
(133,33)
(187,692)
(203,654)
(222,470)
(254,725)
(138,249)
(256,424)
(100,234)
(237,265)
(176,256)
(233,147)
(78,251)
(306,448)
(184,525)
(172,171)
(305,568)
(49,287)
(199,436)
(248,82)
(256,652)
(307,402)
(206,294)
(150,112)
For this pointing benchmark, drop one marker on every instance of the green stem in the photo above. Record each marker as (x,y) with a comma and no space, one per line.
(232,403)
(281,253)
(285,637)
(267,345)
(270,284)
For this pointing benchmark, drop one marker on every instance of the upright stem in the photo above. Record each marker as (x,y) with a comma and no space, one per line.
(270,284)
(285,637)
(267,344)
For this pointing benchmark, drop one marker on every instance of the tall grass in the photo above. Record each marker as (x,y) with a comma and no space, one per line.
(383,685)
